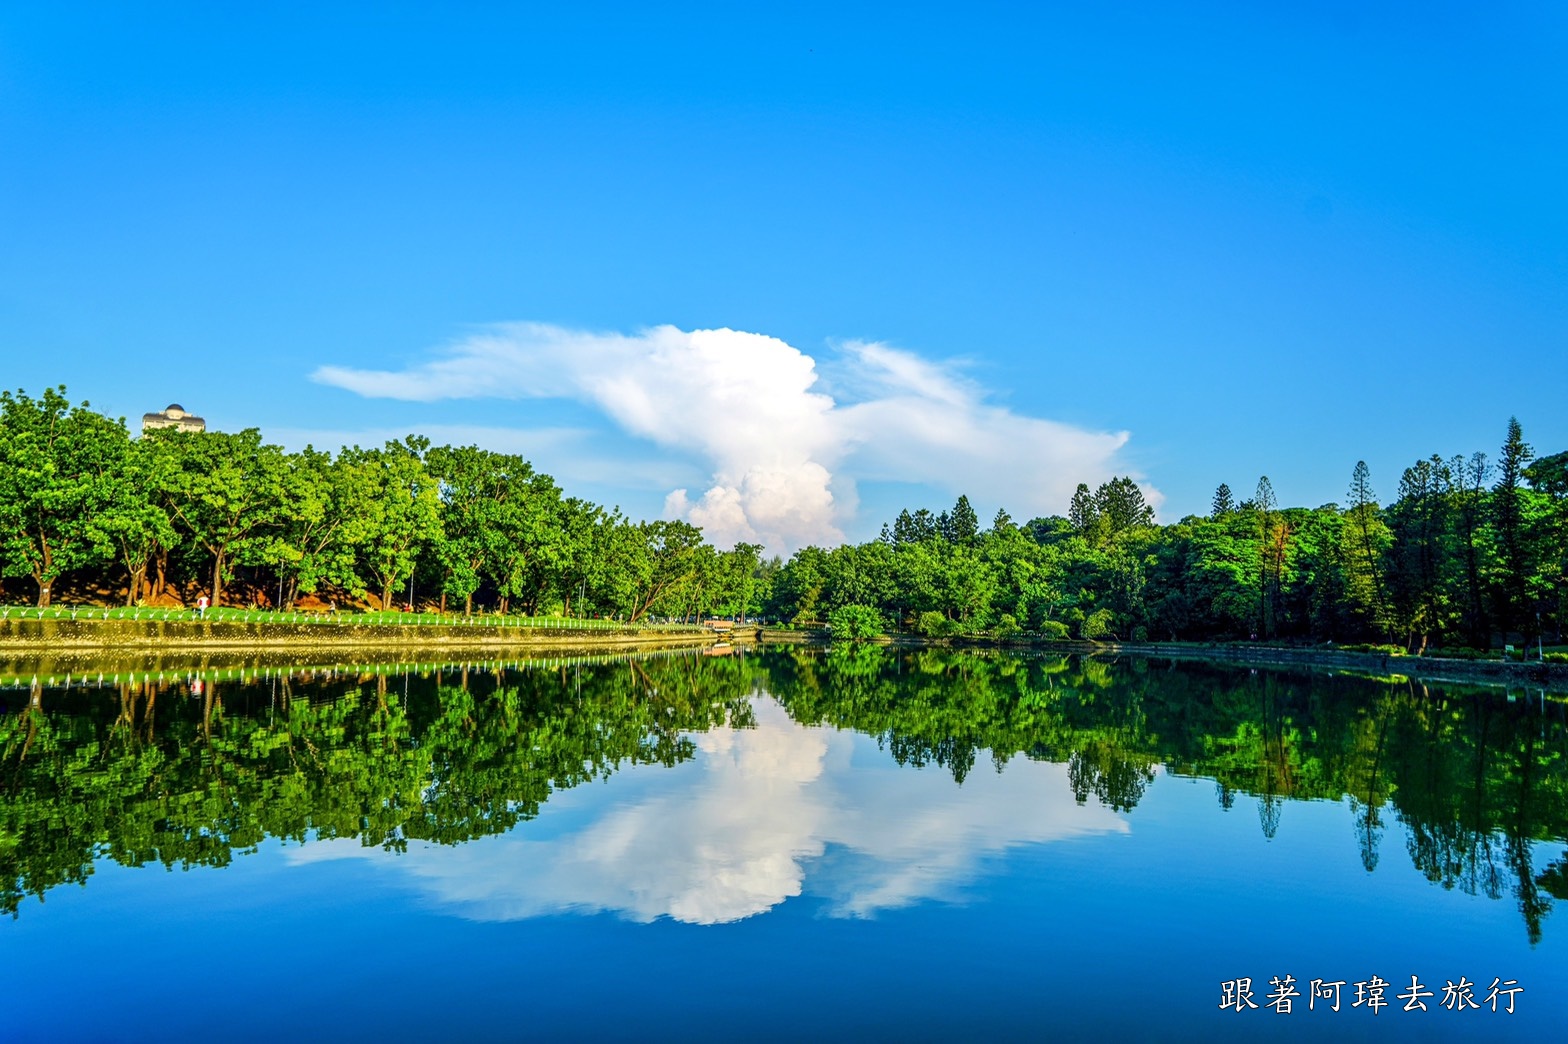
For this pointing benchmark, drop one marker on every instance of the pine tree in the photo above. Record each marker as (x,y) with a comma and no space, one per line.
(1471,496)
(1121,506)
(1508,517)
(1082,513)
(1364,512)
(1224,502)
(1265,504)
(963,523)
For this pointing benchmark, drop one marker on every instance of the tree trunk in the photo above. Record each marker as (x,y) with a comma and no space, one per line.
(386,596)
(217,580)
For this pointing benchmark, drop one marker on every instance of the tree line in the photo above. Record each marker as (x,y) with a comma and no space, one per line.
(171,516)
(1470,552)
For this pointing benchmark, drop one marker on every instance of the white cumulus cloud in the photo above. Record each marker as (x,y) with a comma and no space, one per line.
(784,455)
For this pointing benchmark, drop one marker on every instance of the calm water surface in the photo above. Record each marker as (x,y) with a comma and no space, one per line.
(784,845)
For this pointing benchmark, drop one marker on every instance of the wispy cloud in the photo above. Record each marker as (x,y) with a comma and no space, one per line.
(784,455)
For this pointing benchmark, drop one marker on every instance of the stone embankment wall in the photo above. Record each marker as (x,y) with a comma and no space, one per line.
(1433,667)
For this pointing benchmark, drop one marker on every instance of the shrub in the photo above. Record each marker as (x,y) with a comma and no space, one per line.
(1053,630)
(933,624)
(1096,625)
(1386,650)
(855,623)
(1007,627)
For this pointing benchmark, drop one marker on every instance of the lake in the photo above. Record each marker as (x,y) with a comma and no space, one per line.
(776,845)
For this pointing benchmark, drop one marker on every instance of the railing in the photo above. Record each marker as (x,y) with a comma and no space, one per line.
(330,619)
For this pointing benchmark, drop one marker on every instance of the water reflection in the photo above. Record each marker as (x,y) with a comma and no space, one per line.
(741,831)
(741,782)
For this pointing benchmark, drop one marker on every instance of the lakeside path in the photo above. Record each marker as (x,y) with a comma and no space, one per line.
(98,630)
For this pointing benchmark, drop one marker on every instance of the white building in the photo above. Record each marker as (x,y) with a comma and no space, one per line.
(173,416)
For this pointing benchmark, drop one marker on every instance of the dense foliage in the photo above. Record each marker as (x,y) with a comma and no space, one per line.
(173,515)
(1470,553)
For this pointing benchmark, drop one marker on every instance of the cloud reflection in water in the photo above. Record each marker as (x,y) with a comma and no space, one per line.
(744,827)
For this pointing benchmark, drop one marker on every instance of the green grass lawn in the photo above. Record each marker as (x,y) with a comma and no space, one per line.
(325,619)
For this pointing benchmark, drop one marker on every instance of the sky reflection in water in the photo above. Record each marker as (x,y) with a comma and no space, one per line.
(792,846)
(744,828)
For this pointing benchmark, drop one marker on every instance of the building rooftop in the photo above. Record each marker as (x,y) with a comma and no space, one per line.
(173,416)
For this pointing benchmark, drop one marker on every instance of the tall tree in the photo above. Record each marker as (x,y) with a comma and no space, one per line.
(1083,512)
(1470,495)
(1119,506)
(1265,506)
(1370,536)
(1549,480)
(1420,527)
(135,517)
(228,495)
(670,562)
(1508,519)
(327,513)
(55,466)
(407,515)
(964,524)
(1224,502)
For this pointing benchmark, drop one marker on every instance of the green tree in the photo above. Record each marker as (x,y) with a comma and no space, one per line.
(228,495)
(1224,503)
(1120,506)
(406,516)
(56,467)
(1365,580)
(328,511)
(134,517)
(1508,518)
(1083,513)
(470,489)
(668,563)
(1270,543)
(963,523)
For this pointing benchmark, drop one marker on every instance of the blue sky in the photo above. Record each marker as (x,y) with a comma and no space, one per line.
(987,248)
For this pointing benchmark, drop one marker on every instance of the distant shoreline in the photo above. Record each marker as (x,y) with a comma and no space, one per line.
(1431,668)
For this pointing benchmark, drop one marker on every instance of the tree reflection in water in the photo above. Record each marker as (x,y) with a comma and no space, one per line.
(182,775)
